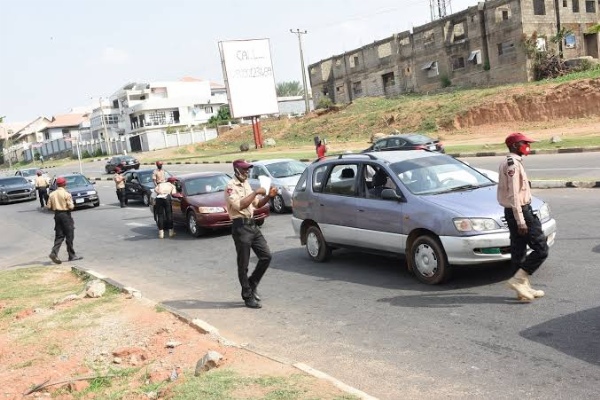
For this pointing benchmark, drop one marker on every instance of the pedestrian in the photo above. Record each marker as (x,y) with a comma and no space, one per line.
(120,186)
(41,184)
(42,158)
(159,175)
(163,207)
(525,227)
(241,202)
(321,150)
(61,202)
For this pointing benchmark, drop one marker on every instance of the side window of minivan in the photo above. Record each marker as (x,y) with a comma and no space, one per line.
(318,178)
(301,185)
(342,180)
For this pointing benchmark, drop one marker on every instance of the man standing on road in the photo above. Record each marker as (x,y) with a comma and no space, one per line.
(159,175)
(163,207)
(41,184)
(525,227)
(120,183)
(61,203)
(241,202)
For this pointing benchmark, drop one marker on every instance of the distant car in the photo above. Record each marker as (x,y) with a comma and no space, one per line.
(139,185)
(409,141)
(15,189)
(29,174)
(124,162)
(83,191)
(284,174)
(200,203)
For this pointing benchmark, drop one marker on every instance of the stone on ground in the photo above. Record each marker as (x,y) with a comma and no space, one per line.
(208,362)
(95,288)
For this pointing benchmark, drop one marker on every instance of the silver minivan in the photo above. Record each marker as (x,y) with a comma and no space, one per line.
(428,206)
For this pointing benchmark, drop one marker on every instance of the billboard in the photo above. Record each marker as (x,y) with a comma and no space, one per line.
(249,77)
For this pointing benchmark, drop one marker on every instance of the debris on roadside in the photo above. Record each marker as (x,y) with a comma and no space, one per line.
(172,344)
(209,361)
(69,298)
(95,288)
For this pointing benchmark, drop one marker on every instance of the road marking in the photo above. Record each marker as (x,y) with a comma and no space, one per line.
(138,224)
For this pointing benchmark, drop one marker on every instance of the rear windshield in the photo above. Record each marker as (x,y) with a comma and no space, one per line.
(29,172)
(420,139)
(12,181)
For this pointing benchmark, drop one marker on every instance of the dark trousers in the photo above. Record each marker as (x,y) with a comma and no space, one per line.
(121,196)
(248,237)
(535,238)
(164,214)
(43,196)
(64,229)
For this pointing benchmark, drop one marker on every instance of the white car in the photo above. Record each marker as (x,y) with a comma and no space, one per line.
(30,174)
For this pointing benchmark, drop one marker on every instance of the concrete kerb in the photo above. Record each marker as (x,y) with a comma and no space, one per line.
(205,328)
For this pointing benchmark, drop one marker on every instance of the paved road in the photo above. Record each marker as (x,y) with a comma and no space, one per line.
(363,318)
(551,166)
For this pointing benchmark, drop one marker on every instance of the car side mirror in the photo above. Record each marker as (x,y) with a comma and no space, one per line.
(93,182)
(390,194)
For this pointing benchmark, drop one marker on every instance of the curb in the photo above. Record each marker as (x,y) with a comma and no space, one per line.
(558,184)
(205,328)
(550,151)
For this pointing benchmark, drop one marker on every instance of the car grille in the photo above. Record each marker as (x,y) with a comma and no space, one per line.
(16,192)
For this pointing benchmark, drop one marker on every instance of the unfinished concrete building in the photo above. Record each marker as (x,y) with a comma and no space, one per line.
(481,45)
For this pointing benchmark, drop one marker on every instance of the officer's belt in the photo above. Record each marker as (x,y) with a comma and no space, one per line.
(243,221)
(62,211)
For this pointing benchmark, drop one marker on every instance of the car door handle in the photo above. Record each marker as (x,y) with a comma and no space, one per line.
(322,205)
(359,210)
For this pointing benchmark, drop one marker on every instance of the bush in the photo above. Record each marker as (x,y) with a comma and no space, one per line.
(86,154)
(36,156)
(446,82)
(324,102)
(428,125)
(98,153)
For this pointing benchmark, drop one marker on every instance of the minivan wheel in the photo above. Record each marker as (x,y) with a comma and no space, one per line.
(316,246)
(192,224)
(429,262)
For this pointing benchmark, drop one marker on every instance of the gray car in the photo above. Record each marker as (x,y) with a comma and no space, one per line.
(15,189)
(284,174)
(430,207)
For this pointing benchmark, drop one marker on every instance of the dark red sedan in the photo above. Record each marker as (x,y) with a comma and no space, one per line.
(200,203)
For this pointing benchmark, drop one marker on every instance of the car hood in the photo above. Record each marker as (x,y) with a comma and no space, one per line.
(15,186)
(480,202)
(288,181)
(80,189)
(216,199)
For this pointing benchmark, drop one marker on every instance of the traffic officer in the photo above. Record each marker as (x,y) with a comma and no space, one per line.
(41,184)
(525,227)
(241,202)
(61,202)
(163,207)
(159,175)
(120,184)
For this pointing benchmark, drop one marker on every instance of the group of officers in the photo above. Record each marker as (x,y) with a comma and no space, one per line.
(514,195)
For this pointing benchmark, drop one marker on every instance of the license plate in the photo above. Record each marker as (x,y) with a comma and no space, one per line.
(432,147)
(79,201)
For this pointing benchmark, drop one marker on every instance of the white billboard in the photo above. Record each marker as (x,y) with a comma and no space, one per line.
(249,77)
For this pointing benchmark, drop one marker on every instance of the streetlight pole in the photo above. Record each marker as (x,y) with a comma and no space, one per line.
(106,138)
(306,99)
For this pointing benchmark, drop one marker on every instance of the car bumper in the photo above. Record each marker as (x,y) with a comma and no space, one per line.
(129,166)
(297,225)
(493,247)
(222,220)
(13,198)
(85,201)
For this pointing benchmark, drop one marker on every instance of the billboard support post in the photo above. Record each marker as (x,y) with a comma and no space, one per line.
(258,142)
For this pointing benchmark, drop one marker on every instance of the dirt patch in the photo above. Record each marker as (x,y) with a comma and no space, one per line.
(119,345)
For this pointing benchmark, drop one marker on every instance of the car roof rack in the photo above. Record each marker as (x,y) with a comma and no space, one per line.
(371,156)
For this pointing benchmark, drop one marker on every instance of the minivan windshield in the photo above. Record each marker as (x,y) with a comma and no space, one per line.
(438,174)
(286,168)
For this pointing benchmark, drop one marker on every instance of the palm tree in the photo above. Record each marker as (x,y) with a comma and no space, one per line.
(292,88)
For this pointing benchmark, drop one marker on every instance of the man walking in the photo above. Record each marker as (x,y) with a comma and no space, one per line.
(120,184)
(41,184)
(61,202)
(525,227)
(241,202)
(163,207)
(159,175)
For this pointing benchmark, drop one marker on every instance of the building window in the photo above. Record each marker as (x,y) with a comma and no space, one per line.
(157,118)
(357,88)
(115,103)
(565,3)
(428,37)
(570,41)
(539,7)
(208,110)
(503,13)
(66,133)
(431,68)
(459,32)
(338,62)
(575,6)
(458,63)
(590,7)
(506,48)
(540,44)
(475,57)
(388,80)
(355,61)
(405,41)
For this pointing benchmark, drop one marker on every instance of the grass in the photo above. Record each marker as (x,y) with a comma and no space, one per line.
(591,141)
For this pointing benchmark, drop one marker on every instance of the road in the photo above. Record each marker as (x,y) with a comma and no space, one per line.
(362,318)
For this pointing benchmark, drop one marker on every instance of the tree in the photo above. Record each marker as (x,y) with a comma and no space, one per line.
(287,89)
(222,116)
(594,29)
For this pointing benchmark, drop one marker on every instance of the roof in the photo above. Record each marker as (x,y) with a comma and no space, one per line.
(213,85)
(63,120)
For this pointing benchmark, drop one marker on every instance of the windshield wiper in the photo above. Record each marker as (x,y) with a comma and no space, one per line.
(459,188)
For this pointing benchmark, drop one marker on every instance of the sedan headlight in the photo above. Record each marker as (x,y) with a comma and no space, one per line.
(544,212)
(475,224)
(91,192)
(210,210)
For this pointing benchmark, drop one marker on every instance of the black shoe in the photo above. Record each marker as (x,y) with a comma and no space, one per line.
(252,303)
(76,258)
(255,293)
(55,259)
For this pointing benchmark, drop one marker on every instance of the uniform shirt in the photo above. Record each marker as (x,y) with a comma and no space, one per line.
(164,189)
(513,187)
(159,176)
(60,200)
(235,192)
(119,181)
(41,182)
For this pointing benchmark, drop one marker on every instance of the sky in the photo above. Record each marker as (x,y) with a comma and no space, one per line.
(59,54)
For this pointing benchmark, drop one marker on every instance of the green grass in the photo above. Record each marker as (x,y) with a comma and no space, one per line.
(591,141)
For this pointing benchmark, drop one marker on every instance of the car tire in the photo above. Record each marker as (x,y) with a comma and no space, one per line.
(192,225)
(316,246)
(428,260)
(146,199)
(278,204)
(97,204)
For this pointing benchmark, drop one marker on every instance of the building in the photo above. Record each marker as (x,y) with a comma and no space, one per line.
(64,126)
(293,105)
(478,46)
(33,132)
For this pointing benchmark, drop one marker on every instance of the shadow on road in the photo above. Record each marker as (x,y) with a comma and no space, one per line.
(446,300)
(577,335)
(150,232)
(203,305)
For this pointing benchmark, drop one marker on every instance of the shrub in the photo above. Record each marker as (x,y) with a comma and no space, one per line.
(36,156)
(446,82)
(86,154)
(324,102)
(428,125)
(98,153)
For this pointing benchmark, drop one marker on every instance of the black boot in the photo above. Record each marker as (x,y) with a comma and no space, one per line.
(255,292)
(252,303)
(75,258)
(55,258)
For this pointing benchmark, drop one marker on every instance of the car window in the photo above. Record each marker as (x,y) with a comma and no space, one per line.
(380,145)
(301,185)
(260,171)
(128,176)
(374,180)
(420,139)
(318,178)
(342,180)
(206,184)
(396,142)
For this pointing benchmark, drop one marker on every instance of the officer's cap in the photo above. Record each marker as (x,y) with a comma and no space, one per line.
(517,137)
(242,164)
(61,182)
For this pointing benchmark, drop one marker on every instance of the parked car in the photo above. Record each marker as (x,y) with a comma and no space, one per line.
(139,185)
(430,207)
(409,141)
(124,162)
(200,203)
(16,188)
(284,174)
(30,174)
(82,190)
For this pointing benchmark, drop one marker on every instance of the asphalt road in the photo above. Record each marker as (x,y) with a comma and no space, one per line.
(362,318)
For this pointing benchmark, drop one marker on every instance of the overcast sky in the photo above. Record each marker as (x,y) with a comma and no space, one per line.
(57,54)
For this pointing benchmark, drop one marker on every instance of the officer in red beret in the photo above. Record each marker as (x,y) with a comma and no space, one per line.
(61,202)
(514,194)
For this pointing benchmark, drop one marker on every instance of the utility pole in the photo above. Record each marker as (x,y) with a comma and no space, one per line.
(106,138)
(306,99)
